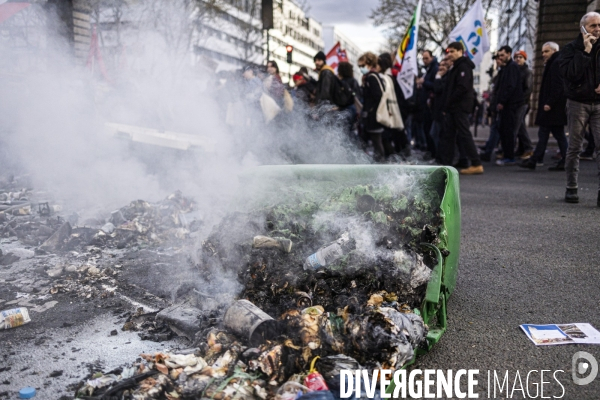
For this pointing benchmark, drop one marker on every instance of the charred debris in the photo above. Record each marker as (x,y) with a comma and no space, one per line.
(323,283)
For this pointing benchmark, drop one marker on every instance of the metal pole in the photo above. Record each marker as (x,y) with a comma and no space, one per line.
(268,51)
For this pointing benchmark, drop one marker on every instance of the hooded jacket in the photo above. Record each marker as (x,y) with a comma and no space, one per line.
(325,85)
(552,94)
(580,71)
(459,87)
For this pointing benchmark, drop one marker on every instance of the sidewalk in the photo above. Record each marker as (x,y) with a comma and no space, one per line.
(483,132)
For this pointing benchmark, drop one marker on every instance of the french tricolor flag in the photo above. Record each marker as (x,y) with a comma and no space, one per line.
(8,8)
(335,56)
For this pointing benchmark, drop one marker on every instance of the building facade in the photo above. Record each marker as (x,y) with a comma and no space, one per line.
(292,27)
(332,35)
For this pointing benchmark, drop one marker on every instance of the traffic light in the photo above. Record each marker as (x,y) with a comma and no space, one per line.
(289,50)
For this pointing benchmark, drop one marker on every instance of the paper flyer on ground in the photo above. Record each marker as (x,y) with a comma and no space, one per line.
(578,333)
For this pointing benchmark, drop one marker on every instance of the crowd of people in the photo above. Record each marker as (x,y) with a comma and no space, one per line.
(436,119)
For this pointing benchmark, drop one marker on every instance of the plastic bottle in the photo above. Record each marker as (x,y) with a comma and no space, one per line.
(328,253)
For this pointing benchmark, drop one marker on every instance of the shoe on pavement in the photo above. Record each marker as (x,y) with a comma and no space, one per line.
(539,164)
(499,156)
(529,164)
(506,162)
(472,170)
(560,166)
(586,156)
(571,196)
(527,155)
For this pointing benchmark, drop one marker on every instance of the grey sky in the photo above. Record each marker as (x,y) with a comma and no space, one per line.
(352,18)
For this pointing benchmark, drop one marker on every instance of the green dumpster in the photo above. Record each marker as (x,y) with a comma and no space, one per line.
(322,178)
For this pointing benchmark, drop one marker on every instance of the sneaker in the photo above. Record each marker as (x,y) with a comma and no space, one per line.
(571,196)
(529,164)
(499,156)
(560,166)
(472,170)
(527,155)
(506,162)
(586,156)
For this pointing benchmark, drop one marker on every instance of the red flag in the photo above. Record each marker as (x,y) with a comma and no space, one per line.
(335,56)
(9,8)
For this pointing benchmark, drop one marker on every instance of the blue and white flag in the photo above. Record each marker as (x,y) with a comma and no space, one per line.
(471,32)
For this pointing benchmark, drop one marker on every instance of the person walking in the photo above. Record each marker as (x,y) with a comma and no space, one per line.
(579,67)
(509,100)
(524,148)
(551,115)
(458,105)
(494,137)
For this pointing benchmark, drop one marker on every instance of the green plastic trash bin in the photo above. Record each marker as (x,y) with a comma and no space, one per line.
(315,178)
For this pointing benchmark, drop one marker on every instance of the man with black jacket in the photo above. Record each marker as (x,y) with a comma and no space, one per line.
(524,148)
(457,106)
(509,99)
(579,67)
(426,82)
(326,84)
(551,115)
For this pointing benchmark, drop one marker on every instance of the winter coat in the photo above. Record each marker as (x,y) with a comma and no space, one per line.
(439,98)
(526,83)
(459,87)
(371,97)
(325,85)
(274,88)
(552,94)
(354,87)
(429,78)
(580,71)
(509,90)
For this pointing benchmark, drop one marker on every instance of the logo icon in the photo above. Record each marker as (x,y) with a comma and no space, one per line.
(580,368)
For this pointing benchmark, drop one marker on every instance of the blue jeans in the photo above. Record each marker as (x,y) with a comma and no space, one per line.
(494,138)
(579,115)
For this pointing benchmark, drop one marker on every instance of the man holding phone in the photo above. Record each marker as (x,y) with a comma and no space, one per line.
(579,66)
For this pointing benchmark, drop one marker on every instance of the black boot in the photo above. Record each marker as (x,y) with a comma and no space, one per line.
(560,166)
(571,196)
(529,163)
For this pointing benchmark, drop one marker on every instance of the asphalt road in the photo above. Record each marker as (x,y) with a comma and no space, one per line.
(526,257)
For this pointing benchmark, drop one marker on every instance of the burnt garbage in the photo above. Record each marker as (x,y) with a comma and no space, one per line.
(327,282)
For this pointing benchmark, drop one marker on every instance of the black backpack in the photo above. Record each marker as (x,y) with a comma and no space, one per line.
(342,93)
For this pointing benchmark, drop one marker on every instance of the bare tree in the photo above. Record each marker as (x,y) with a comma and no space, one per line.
(437,18)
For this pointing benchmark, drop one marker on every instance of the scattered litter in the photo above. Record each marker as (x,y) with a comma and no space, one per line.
(27,393)
(14,317)
(578,333)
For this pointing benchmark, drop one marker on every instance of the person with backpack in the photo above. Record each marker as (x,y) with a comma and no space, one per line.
(372,93)
(346,75)
(395,134)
